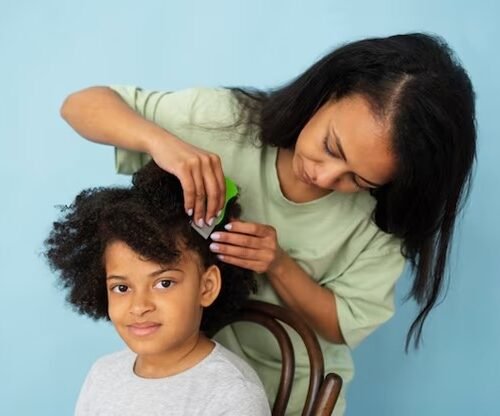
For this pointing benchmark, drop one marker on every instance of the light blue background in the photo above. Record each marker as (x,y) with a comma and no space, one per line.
(51,48)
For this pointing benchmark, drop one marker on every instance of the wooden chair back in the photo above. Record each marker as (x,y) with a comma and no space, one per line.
(323,390)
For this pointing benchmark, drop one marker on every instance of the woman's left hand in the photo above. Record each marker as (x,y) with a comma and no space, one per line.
(249,245)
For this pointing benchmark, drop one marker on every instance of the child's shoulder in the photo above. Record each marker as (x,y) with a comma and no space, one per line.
(238,389)
(229,367)
(114,362)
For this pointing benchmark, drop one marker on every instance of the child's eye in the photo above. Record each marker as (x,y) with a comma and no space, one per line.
(119,289)
(164,284)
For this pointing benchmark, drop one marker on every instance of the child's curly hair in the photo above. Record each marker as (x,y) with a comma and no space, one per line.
(149,217)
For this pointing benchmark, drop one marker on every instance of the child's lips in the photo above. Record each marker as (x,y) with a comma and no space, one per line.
(143,328)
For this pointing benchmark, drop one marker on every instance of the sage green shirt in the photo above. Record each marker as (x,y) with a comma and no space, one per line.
(332,238)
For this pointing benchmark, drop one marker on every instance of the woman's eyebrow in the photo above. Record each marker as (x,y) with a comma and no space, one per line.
(342,154)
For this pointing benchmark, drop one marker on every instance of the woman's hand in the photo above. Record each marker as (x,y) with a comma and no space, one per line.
(255,247)
(249,245)
(101,115)
(200,173)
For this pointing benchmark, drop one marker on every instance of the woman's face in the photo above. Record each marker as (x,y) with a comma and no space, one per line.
(344,147)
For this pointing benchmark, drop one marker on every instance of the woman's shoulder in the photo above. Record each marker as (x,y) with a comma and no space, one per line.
(352,208)
(363,204)
(185,105)
(210,93)
(359,208)
(212,103)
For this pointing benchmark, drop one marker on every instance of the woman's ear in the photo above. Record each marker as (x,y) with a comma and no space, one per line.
(210,286)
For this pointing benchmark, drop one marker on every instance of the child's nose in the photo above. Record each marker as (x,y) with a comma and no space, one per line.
(141,303)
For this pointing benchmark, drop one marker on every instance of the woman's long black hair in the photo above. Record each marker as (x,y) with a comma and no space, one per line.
(415,82)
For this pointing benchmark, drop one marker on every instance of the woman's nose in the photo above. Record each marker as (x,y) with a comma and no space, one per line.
(329,174)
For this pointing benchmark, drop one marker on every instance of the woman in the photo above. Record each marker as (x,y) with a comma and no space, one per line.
(357,164)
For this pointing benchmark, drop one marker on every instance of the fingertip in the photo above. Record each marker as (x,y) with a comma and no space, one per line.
(210,215)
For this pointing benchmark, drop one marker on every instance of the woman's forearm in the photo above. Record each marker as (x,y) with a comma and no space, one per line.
(305,296)
(100,115)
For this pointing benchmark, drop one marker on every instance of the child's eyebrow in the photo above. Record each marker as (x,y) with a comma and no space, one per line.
(153,274)
(163,270)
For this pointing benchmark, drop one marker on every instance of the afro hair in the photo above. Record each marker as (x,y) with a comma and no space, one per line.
(149,217)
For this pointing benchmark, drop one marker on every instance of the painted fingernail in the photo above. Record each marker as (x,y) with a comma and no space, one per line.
(215,236)
(228,226)
(220,257)
(211,221)
(214,247)
(200,223)
(190,211)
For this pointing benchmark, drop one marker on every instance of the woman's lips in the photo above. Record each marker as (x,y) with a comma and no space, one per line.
(144,328)
(306,177)
(302,174)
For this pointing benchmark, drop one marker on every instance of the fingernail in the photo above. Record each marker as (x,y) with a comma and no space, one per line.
(220,212)
(215,236)
(200,223)
(190,211)
(211,221)
(228,226)
(214,247)
(220,257)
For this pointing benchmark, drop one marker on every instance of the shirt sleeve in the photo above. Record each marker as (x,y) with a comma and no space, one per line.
(177,112)
(364,292)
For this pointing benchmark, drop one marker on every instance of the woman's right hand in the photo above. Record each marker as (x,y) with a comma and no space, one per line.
(100,115)
(200,173)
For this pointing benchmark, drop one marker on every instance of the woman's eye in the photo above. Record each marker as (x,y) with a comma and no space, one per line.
(119,289)
(357,184)
(327,148)
(164,284)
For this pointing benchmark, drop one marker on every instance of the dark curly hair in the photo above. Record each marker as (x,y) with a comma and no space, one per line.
(149,217)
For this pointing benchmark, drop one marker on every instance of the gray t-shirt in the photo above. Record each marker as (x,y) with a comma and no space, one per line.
(220,384)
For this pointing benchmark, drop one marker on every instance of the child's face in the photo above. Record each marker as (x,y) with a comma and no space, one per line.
(157,309)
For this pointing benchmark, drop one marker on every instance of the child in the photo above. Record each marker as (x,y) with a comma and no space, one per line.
(131,256)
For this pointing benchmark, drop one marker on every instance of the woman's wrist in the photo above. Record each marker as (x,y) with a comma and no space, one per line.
(278,268)
(155,139)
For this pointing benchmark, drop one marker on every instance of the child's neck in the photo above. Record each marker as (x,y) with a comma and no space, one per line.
(176,361)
